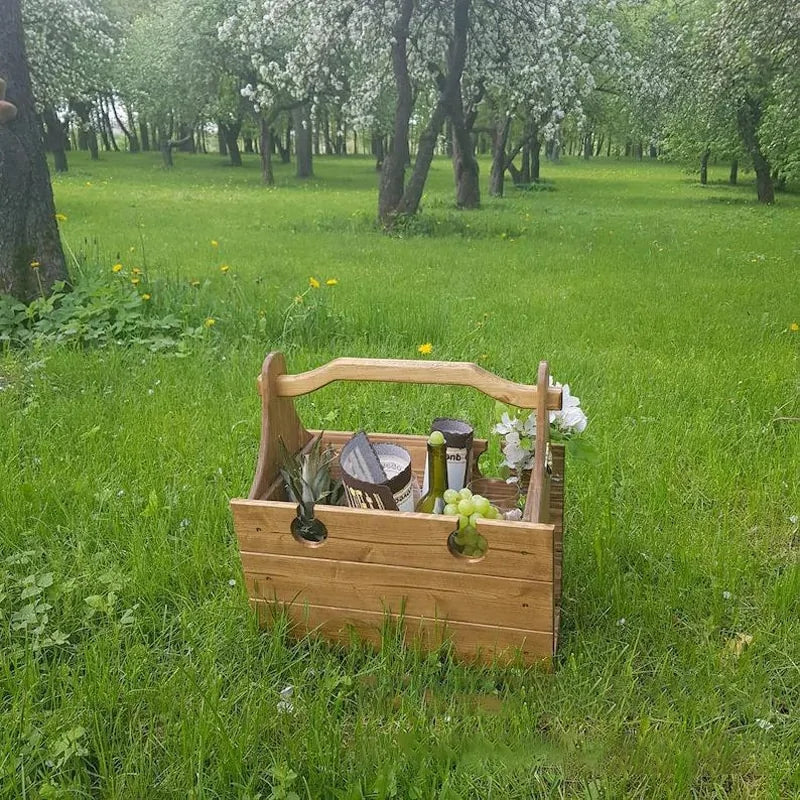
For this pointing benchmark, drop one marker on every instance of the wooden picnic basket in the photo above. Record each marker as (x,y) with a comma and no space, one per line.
(504,606)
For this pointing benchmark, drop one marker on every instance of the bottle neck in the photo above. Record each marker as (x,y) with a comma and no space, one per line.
(437,468)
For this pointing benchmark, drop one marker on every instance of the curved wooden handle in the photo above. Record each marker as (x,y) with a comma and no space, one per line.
(389,370)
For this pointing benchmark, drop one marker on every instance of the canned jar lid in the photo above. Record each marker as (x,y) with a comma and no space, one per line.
(457,432)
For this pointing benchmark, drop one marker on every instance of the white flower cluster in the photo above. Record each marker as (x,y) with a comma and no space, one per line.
(519,435)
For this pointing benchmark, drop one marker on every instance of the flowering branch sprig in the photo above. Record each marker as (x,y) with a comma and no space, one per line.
(519,433)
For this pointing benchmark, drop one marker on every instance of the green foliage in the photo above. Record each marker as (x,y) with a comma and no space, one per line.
(97,309)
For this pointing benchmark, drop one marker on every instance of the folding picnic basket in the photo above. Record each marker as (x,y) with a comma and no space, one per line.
(373,564)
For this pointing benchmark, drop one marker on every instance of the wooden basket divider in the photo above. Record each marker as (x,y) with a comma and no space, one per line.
(374,563)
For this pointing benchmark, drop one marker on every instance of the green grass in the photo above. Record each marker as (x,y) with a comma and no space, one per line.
(666,306)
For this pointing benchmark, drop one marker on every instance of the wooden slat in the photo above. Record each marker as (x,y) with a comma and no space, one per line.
(557,516)
(483,599)
(516,549)
(429,372)
(536,509)
(485,643)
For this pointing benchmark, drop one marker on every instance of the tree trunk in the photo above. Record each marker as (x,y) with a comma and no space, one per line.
(465,165)
(55,139)
(99,119)
(536,157)
(393,173)
(748,117)
(166,153)
(106,120)
(704,167)
(587,146)
(286,151)
(87,138)
(222,147)
(302,142)
(653,151)
(145,135)
(499,141)
(734,176)
(525,172)
(130,134)
(230,132)
(378,150)
(28,226)
(600,141)
(265,145)
(248,145)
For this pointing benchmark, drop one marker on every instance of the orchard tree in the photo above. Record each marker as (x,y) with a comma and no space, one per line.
(294,49)
(751,60)
(31,257)
(70,45)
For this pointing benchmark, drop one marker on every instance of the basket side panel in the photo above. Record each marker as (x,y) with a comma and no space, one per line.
(557,520)
(516,550)
(430,594)
(483,643)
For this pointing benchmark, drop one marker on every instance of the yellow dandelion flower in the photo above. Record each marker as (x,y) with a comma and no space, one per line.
(136,271)
(794,327)
(135,281)
(61,217)
(145,296)
(214,243)
(425,349)
(35,265)
(331,282)
(117,267)
(195,284)
(210,322)
(224,268)
(313,283)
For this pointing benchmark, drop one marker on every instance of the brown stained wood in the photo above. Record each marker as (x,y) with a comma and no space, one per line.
(482,643)
(516,549)
(536,509)
(428,372)
(434,594)
(557,517)
(279,421)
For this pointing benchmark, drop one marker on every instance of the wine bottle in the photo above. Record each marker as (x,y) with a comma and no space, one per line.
(432,502)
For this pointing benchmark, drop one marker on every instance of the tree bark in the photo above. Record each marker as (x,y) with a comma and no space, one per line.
(55,139)
(145,135)
(265,145)
(704,167)
(587,146)
(230,133)
(87,139)
(378,150)
(28,227)
(536,156)
(392,183)
(748,118)
(499,141)
(222,147)
(248,145)
(302,142)
(734,176)
(130,133)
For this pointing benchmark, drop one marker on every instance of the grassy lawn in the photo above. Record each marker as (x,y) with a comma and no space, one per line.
(667,307)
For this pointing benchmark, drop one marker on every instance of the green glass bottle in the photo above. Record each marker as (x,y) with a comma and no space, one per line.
(433,501)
